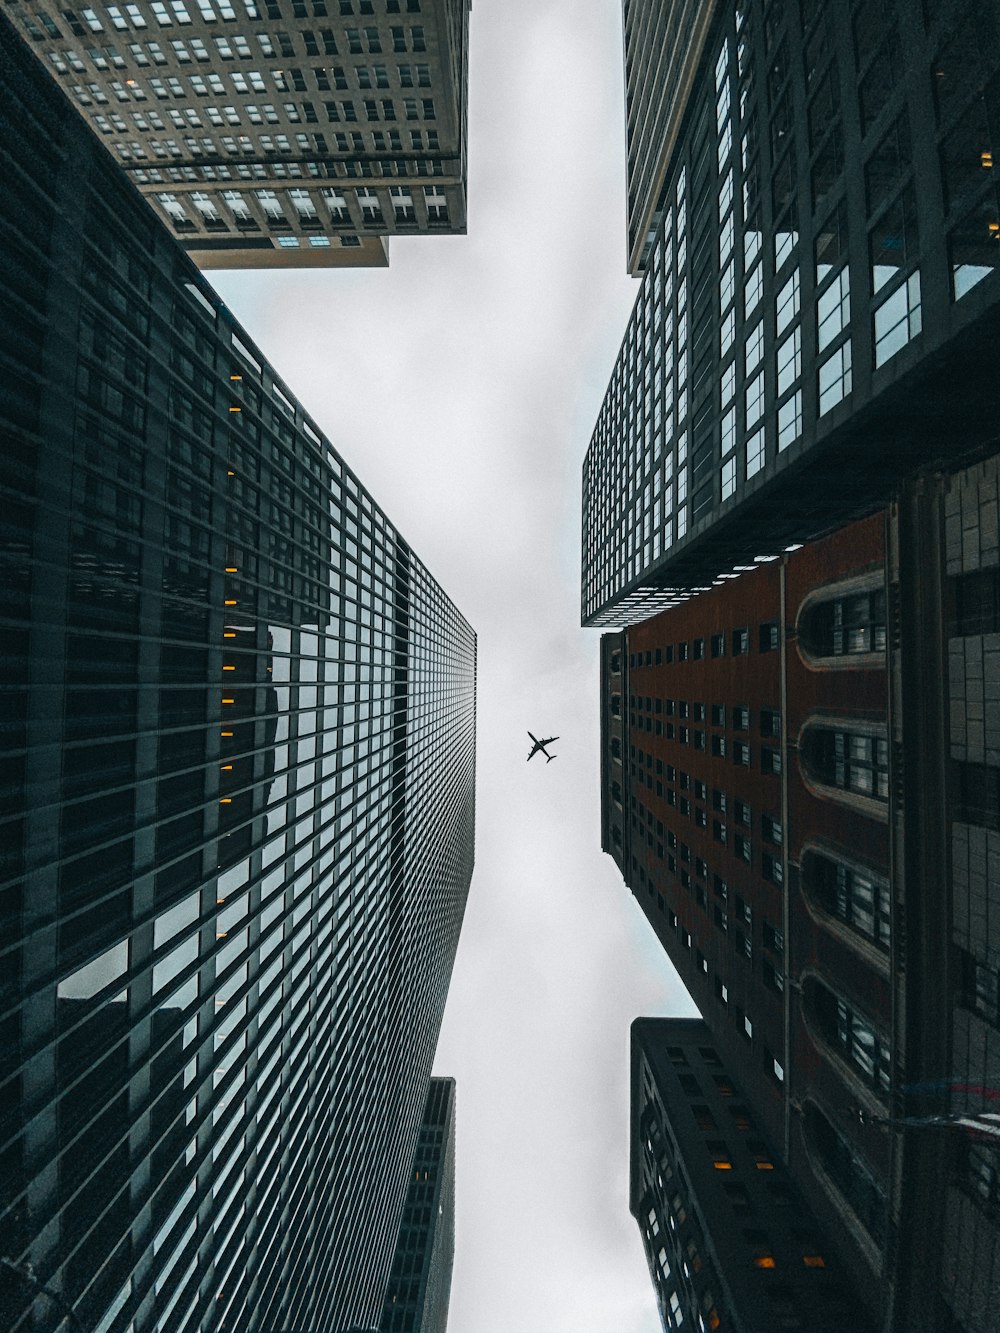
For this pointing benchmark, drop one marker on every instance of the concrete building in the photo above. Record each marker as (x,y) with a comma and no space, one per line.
(238,767)
(821,295)
(730,1244)
(416,1299)
(272,133)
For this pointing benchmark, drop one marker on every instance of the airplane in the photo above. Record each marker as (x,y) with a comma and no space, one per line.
(540,745)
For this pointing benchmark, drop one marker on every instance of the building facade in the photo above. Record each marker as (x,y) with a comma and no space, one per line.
(824,890)
(820,296)
(239,759)
(419,1290)
(730,1244)
(664,43)
(272,133)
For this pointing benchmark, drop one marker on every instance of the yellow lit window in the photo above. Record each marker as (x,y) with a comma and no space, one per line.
(230,473)
(763,1261)
(236,409)
(229,701)
(229,634)
(764,1165)
(986,159)
(235,377)
(228,668)
(227,768)
(814,1261)
(230,601)
(231,569)
(225,733)
(713,1320)
(723,1164)
(225,800)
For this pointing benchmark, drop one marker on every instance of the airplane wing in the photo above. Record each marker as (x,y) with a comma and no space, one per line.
(549,739)
(536,740)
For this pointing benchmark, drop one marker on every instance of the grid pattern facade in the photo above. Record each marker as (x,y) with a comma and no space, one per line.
(745,798)
(274,132)
(419,1289)
(825,225)
(663,45)
(730,1244)
(239,750)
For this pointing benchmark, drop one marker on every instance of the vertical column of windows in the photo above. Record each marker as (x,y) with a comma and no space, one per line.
(724,116)
(682,355)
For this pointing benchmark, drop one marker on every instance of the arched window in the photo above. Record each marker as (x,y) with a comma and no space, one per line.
(854,1037)
(853,894)
(852,1179)
(848,758)
(845,621)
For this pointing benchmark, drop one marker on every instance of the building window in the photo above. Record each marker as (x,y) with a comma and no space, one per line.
(769,636)
(770,760)
(789,360)
(977,602)
(754,400)
(771,868)
(856,896)
(845,625)
(755,451)
(835,378)
(770,722)
(897,320)
(773,938)
(853,761)
(833,310)
(977,795)
(864,1046)
(741,641)
(741,717)
(786,305)
(719,649)
(790,420)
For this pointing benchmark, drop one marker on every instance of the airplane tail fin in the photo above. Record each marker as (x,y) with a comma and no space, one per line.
(550,757)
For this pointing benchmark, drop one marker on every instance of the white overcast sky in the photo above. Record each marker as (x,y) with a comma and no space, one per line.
(462,385)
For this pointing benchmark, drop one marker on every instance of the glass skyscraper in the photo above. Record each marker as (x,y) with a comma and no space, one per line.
(820,285)
(238,779)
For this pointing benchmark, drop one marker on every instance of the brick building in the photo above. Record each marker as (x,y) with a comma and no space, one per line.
(827,892)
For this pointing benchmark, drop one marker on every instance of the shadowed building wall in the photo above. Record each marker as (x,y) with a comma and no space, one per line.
(238,767)
(417,1297)
(729,1240)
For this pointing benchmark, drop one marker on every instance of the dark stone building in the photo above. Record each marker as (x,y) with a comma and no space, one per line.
(416,1299)
(729,1241)
(821,298)
(238,779)
(269,133)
